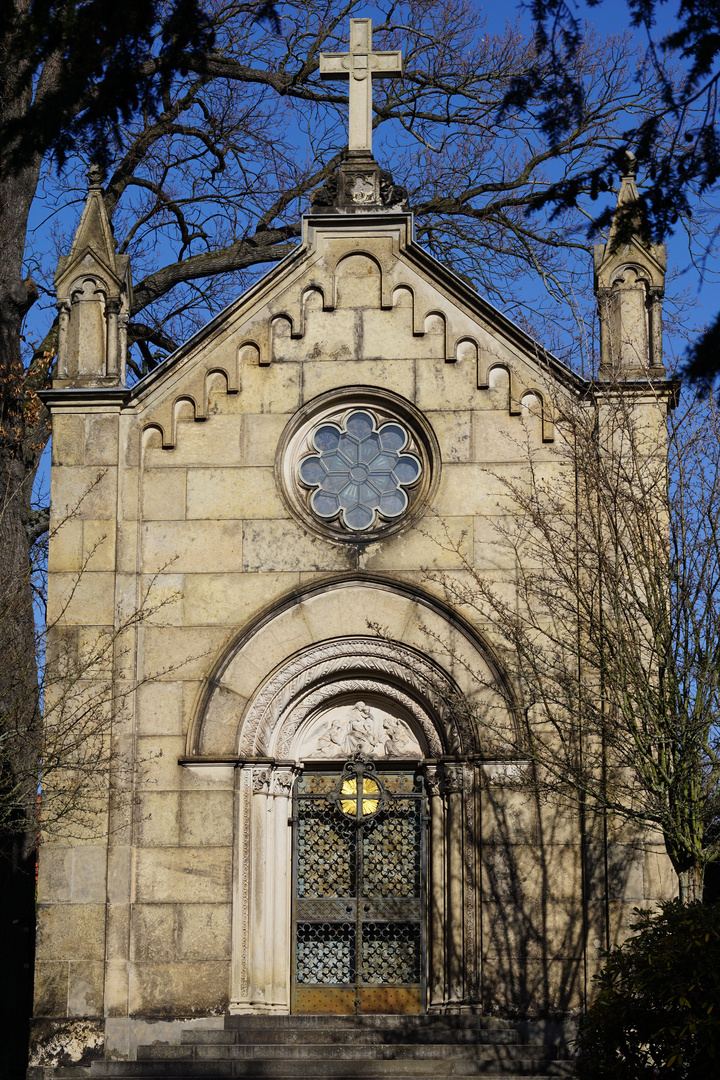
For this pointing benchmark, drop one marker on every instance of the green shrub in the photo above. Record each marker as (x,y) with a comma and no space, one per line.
(657,1013)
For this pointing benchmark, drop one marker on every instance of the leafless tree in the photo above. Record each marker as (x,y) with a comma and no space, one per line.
(207,187)
(607,616)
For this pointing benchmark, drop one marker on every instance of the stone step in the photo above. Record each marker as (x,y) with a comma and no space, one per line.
(206,1051)
(222,1074)
(250,1034)
(365,1020)
(255,1069)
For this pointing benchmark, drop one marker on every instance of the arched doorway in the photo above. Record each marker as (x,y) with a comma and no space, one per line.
(297,719)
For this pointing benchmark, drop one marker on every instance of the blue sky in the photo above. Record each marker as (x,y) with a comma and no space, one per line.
(703,291)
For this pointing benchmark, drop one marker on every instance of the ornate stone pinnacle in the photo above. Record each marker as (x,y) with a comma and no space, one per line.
(95,176)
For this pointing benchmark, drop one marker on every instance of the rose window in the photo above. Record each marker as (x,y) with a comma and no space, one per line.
(359,471)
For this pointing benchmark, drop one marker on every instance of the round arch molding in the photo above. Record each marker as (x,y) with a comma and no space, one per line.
(348,636)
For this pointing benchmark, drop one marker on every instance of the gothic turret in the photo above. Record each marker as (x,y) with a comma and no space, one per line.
(629,285)
(93,300)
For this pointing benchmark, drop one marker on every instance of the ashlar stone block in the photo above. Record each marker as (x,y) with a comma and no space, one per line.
(183,988)
(204,931)
(81,599)
(273,389)
(68,442)
(232,599)
(396,375)
(262,435)
(51,987)
(445,387)
(154,932)
(171,653)
(71,932)
(159,708)
(84,492)
(233,493)
(163,494)
(85,988)
(433,544)
(101,439)
(157,816)
(192,547)
(184,875)
(66,547)
(282,546)
(454,434)
(206,818)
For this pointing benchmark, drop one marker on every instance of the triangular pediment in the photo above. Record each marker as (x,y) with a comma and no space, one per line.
(358,293)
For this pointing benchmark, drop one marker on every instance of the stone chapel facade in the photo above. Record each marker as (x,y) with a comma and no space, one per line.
(269,500)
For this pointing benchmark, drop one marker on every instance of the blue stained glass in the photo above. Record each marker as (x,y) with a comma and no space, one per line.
(407,469)
(359,471)
(349,447)
(325,505)
(350,495)
(393,504)
(370,447)
(392,437)
(312,471)
(326,438)
(384,481)
(384,462)
(360,424)
(335,463)
(335,482)
(359,517)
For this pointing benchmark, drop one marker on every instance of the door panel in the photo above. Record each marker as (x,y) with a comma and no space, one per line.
(359,892)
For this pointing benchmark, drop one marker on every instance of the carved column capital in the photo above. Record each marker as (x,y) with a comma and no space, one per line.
(433,782)
(261,779)
(453,779)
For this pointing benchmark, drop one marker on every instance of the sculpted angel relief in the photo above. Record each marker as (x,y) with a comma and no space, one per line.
(359,728)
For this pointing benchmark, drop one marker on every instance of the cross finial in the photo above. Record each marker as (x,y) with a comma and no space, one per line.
(359,66)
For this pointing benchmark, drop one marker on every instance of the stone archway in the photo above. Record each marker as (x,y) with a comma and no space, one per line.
(269,699)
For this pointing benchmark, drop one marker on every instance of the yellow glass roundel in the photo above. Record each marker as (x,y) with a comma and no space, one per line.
(370,799)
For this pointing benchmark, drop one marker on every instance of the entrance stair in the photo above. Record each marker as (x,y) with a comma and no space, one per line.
(340,1048)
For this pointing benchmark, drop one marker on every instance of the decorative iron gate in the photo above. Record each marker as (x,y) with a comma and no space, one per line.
(359,892)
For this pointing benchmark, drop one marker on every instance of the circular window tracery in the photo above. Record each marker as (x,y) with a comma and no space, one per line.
(359,470)
(357,463)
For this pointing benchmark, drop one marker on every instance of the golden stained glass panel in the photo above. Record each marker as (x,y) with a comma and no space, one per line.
(370,796)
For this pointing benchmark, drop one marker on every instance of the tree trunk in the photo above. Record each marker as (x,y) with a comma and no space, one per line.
(691,883)
(19,697)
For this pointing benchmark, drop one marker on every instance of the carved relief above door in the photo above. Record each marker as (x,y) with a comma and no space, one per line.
(355,726)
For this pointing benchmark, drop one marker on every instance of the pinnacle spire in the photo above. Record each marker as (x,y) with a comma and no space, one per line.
(630,285)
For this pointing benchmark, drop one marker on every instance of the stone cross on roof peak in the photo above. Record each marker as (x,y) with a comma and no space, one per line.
(359,65)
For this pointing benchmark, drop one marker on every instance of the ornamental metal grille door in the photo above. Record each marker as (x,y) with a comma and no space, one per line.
(359,892)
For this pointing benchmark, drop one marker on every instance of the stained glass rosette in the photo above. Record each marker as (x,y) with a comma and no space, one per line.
(359,471)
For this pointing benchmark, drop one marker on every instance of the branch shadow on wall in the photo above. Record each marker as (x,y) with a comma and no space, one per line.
(554,895)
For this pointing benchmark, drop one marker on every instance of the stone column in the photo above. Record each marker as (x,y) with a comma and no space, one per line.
(261,930)
(655,298)
(63,307)
(454,917)
(240,976)
(123,320)
(436,907)
(280,938)
(112,310)
(455,870)
(606,357)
